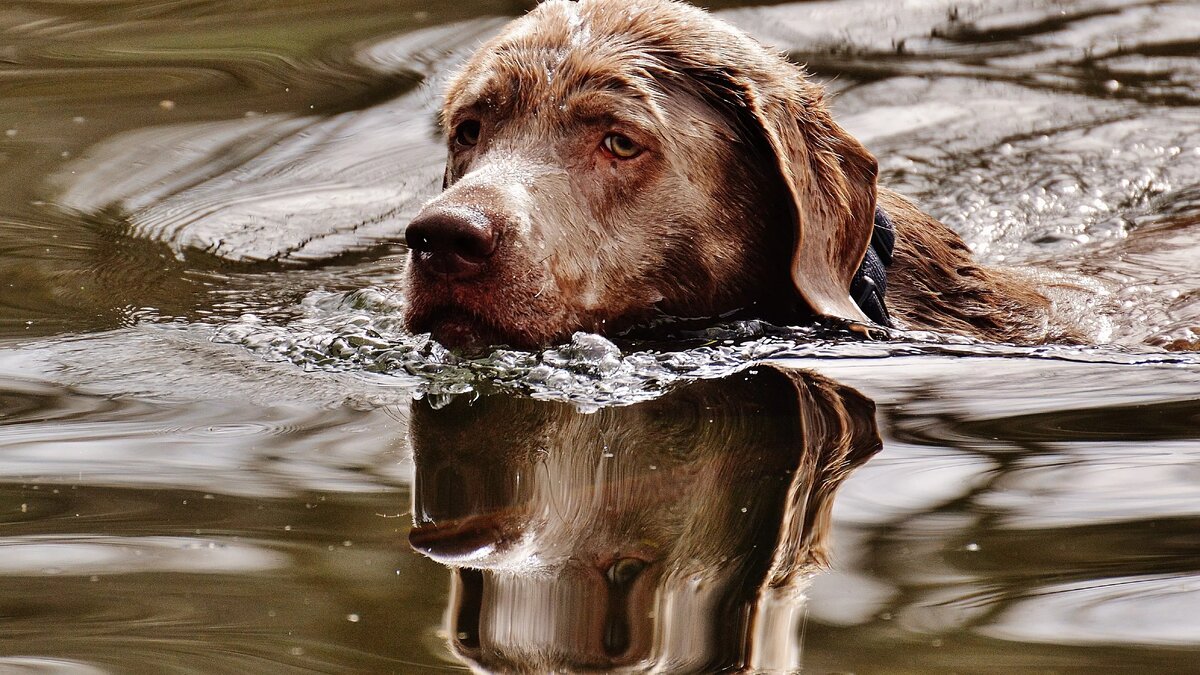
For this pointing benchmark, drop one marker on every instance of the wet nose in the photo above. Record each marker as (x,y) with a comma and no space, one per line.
(452,242)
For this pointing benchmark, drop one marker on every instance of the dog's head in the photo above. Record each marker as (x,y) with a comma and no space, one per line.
(610,159)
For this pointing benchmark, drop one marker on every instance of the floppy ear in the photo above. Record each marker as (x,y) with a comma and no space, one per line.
(830,178)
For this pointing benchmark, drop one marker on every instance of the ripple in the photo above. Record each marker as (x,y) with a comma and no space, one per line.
(1149,610)
(1081,485)
(284,188)
(87,554)
(184,618)
(33,664)
(56,435)
(362,332)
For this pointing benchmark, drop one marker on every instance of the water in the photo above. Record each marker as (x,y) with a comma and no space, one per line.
(221,452)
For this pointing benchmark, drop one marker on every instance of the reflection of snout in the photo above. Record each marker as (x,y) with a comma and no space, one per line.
(452,242)
(460,540)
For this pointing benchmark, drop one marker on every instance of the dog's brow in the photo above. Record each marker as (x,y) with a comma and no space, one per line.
(596,97)
(592,106)
(474,107)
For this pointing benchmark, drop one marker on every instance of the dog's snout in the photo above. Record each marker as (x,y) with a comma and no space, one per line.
(452,242)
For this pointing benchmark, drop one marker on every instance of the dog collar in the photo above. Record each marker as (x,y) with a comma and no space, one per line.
(869,286)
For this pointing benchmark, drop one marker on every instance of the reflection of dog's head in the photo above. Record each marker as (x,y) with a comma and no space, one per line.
(666,534)
(610,159)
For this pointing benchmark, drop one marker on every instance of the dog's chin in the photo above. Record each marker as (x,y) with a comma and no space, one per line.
(469,334)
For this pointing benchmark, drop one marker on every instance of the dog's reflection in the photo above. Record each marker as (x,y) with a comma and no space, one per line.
(673,535)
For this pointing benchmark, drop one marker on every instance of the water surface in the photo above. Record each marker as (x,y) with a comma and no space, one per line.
(221,452)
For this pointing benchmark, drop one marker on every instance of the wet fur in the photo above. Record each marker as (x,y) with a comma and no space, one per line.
(750,195)
(540,515)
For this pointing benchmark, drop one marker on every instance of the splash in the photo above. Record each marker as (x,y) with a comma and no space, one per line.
(362,333)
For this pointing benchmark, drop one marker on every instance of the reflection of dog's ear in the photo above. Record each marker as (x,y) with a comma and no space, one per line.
(839,434)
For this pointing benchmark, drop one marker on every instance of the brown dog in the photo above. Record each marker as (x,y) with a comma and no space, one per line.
(614,159)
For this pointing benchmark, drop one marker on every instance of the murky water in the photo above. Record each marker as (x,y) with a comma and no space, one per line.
(212,459)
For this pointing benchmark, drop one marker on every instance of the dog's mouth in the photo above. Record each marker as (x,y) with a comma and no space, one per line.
(472,331)
(469,332)
(456,328)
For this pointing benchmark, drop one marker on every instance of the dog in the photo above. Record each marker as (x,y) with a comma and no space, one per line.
(611,161)
(674,535)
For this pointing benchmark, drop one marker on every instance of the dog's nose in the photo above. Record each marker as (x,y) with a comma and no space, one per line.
(453,242)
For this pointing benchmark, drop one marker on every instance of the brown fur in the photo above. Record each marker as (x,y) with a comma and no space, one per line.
(747,194)
(719,493)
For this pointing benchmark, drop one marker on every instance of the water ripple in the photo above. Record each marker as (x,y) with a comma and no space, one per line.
(362,332)
(88,554)
(1151,609)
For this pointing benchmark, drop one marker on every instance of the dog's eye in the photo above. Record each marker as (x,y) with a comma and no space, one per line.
(467,133)
(622,147)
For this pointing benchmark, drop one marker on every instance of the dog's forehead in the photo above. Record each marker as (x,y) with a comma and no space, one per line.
(548,55)
(576,22)
(561,47)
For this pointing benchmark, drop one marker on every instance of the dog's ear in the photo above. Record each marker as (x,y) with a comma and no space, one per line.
(831,180)
(828,175)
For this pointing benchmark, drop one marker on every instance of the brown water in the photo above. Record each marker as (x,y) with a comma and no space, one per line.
(211,460)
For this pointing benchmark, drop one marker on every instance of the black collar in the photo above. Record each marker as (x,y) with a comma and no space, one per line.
(870,282)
